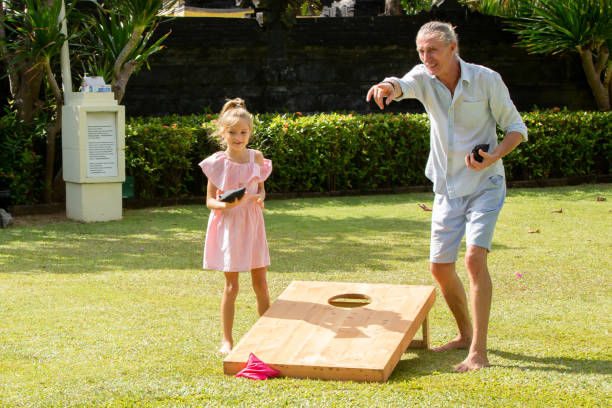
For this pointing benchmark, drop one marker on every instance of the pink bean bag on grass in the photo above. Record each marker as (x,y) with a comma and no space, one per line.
(257,370)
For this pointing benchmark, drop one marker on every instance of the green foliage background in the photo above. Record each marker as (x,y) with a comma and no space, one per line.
(316,153)
(21,163)
(331,152)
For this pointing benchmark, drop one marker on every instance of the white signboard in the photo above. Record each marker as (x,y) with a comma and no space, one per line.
(101,144)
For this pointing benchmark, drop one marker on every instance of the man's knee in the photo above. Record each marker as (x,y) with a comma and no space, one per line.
(476,260)
(442,271)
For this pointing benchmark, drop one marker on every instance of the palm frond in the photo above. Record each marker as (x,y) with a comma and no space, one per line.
(556,27)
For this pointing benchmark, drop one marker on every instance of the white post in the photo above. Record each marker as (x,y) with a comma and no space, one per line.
(93,148)
(65,58)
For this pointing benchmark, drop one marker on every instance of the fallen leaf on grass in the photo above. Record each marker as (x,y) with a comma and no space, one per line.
(535,231)
(560,210)
(601,198)
(424,207)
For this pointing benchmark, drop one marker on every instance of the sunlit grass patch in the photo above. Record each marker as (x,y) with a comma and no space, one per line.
(120,314)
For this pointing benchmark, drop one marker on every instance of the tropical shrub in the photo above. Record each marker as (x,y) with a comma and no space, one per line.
(21,160)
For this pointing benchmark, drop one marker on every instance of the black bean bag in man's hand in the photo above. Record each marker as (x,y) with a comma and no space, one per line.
(477,156)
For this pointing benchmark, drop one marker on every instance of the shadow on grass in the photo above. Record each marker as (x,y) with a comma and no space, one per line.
(174,239)
(425,363)
(352,201)
(558,364)
(323,244)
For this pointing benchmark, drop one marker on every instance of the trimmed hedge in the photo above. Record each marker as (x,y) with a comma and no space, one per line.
(330,152)
(314,153)
(562,144)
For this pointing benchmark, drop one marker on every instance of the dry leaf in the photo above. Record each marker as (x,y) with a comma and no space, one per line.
(424,207)
(560,210)
(535,231)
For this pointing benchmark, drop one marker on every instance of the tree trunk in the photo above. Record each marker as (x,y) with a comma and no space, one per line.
(393,8)
(608,81)
(601,94)
(120,82)
(610,90)
(122,71)
(131,44)
(25,89)
(24,80)
(6,58)
(52,130)
(58,194)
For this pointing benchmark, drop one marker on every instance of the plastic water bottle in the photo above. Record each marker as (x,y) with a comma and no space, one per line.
(84,86)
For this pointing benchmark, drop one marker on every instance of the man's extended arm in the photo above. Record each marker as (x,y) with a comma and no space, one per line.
(389,88)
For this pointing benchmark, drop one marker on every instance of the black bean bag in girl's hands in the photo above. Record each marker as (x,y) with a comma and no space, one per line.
(231,195)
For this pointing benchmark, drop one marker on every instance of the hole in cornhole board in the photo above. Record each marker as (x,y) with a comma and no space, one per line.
(350,300)
(337,330)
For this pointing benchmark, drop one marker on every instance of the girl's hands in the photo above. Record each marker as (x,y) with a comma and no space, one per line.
(258,198)
(236,202)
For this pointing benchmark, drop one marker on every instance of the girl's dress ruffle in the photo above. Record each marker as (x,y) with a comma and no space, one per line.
(228,175)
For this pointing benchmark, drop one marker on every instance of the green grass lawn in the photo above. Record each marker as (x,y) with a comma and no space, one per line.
(120,314)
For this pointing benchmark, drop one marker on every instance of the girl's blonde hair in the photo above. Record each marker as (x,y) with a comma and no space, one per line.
(233,112)
(443,31)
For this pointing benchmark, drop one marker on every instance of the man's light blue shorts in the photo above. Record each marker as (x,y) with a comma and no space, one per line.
(475,215)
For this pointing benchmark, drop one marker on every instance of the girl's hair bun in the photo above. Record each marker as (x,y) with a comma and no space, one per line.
(236,103)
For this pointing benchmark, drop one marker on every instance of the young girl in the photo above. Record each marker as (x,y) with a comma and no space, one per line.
(236,236)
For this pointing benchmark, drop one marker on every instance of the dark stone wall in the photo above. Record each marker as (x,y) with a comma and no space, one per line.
(328,64)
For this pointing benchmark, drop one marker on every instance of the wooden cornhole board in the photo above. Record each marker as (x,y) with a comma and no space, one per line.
(303,335)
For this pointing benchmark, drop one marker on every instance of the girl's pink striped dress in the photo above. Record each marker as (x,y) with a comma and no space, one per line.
(236,238)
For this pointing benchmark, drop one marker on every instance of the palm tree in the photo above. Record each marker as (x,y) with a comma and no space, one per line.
(582,26)
(115,46)
(36,43)
(119,39)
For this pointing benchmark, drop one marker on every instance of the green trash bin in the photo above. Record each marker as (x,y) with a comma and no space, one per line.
(128,187)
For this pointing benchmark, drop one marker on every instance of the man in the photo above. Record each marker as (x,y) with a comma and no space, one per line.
(464,102)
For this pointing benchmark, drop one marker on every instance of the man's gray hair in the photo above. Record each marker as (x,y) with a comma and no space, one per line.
(443,31)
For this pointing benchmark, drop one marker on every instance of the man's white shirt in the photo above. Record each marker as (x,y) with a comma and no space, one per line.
(461,121)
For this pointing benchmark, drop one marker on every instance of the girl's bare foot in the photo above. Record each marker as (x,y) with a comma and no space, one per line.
(226,347)
(474,361)
(458,343)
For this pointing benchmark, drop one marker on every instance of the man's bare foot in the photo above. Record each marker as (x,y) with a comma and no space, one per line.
(474,361)
(456,344)
(226,347)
